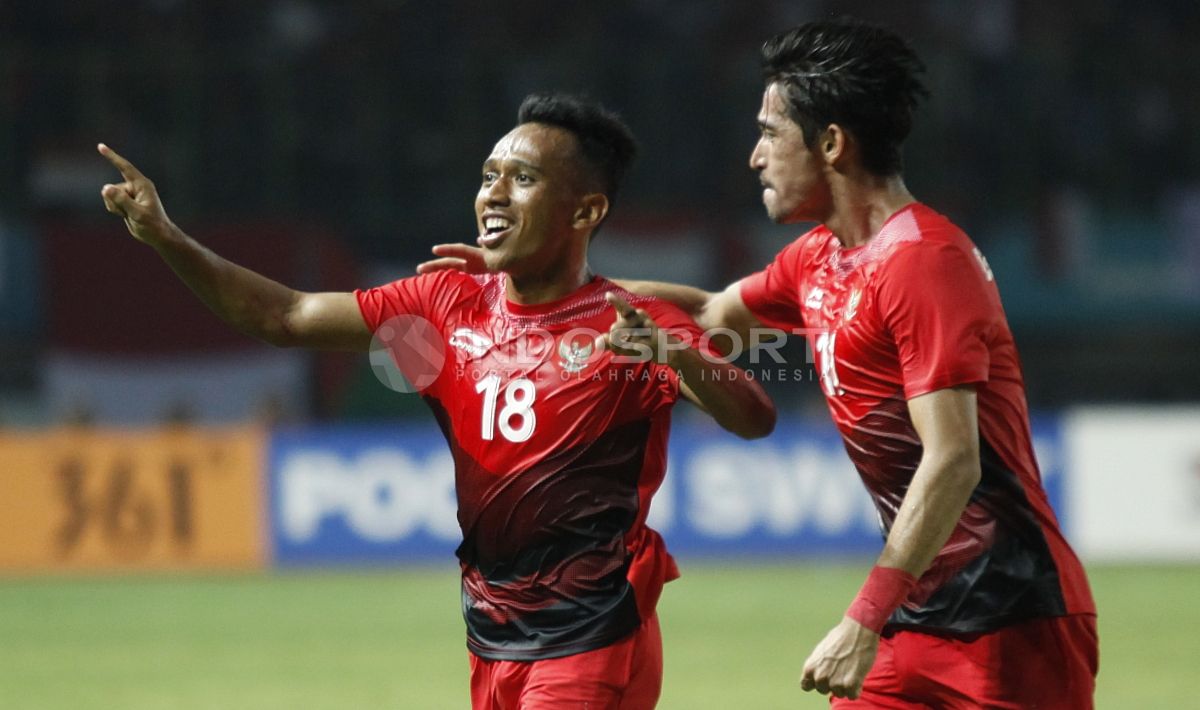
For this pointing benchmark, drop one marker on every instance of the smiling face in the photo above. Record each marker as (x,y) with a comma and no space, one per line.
(795,188)
(528,206)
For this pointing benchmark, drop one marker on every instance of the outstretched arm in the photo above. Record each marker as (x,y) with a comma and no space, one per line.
(946,421)
(710,310)
(721,389)
(248,301)
(721,309)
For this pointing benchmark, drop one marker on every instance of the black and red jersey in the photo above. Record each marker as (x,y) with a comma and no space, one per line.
(557,448)
(912,311)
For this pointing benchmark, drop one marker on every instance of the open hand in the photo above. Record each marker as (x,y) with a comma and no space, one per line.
(135,200)
(840,663)
(456,257)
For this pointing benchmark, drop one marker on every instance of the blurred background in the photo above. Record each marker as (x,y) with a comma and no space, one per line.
(329,145)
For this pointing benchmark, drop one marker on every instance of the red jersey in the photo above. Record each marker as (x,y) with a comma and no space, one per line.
(912,311)
(557,451)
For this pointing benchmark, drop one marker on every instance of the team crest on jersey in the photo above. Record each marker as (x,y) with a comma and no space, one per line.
(575,354)
(852,304)
(815,297)
(471,342)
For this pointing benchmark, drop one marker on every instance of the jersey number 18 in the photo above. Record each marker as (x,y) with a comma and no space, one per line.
(518,404)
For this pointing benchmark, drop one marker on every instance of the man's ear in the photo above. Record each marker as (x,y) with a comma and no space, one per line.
(834,144)
(591,211)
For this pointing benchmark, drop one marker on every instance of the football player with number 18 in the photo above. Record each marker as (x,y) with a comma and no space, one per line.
(559,442)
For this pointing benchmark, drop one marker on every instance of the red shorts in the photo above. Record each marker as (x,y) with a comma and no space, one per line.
(1048,664)
(624,676)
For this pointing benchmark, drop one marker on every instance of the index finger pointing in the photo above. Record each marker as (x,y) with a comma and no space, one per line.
(627,311)
(124,166)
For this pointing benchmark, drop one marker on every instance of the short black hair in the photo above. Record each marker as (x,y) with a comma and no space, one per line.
(605,141)
(862,77)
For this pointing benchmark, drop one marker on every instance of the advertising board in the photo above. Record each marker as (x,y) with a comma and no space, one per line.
(74,499)
(384,494)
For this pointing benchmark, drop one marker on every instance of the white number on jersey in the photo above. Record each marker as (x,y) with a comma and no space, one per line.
(987,269)
(826,363)
(518,404)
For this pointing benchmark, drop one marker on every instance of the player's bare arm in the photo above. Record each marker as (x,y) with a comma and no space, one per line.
(248,301)
(713,311)
(947,423)
(710,310)
(736,402)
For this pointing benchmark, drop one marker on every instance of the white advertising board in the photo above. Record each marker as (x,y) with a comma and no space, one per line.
(1133,486)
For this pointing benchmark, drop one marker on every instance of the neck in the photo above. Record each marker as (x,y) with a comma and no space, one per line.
(554,283)
(861,205)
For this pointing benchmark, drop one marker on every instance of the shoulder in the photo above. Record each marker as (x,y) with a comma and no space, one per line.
(937,268)
(808,247)
(923,241)
(459,281)
(432,296)
(442,282)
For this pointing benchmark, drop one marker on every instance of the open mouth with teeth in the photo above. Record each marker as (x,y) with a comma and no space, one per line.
(494,230)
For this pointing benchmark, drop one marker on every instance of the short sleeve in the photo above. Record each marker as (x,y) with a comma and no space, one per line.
(942,311)
(428,296)
(773,294)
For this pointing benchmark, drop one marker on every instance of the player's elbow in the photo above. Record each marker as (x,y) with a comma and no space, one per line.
(712,312)
(765,422)
(278,339)
(284,326)
(960,466)
(971,473)
(276,331)
(759,421)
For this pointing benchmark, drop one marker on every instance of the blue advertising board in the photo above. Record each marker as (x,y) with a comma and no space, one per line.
(385,494)
(793,493)
(361,495)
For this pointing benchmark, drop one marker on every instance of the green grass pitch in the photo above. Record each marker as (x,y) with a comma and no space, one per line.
(735,636)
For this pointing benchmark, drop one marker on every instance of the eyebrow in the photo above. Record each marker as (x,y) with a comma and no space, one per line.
(491,162)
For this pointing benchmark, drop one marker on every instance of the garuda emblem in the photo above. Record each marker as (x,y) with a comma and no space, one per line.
(575,354)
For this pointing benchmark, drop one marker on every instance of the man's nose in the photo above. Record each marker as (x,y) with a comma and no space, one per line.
(758,157)
(496,193)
